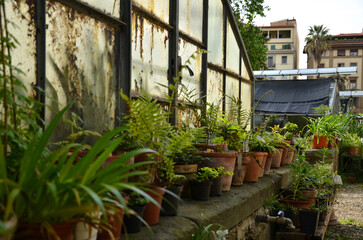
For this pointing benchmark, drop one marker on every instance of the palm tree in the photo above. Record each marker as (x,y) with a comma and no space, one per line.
(317,42)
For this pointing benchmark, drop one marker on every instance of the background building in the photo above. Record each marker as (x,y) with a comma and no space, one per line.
(345,50)
(283,45)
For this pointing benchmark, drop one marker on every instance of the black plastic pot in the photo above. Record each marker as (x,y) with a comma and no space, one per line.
(200,190)
(216,189)
(308,221)
(131,223)
(170,202)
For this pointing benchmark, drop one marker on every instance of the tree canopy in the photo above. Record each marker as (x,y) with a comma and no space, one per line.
(245,11)
(317,42)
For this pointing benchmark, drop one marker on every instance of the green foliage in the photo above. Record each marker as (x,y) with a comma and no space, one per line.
(55,188)
(352,139)
(206,174)
(301,173)
(146,121)
(221,171)
(207,232)
(245,12)
(291,129)
(136,199)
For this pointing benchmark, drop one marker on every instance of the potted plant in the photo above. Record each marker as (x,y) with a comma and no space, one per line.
(45,199)
(133,219)
(217,185)
(309,219)
(202,183)
(278,141)
(301,173)
(317,128)
(353,143)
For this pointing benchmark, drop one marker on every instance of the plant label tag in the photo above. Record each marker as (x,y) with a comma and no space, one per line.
(338,180)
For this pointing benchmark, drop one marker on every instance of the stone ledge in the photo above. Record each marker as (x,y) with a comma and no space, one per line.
(229,209)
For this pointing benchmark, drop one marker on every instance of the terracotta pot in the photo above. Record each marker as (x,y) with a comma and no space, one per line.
(353,150)
(320,143)
(214,147)
(268,163)
(286,146)
(309,194)
(115,221)
(253,169)
(262,168)
(276,158)
(297,203)
(240,168)
(290,155)
(34,232)
(222,159)
(187,171)
(152,211)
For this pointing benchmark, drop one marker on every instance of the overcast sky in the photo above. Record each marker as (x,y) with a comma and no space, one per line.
(339,16)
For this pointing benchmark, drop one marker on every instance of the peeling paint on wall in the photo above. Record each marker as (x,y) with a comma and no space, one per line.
(214,87)
(22,13)
(150,49)
(80,67)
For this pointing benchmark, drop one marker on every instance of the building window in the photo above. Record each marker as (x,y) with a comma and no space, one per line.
(353,83)
(353,52)
(273,47)
(270,62)
(286,46)
(323,54)
(285,34)
(284,60)
(341,52)
(353,64)
(340,64)
(322,65)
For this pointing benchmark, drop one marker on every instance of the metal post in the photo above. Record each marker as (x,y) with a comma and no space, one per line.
(224,54)
(41,55)
(173,54)
(203,80)
(124,56)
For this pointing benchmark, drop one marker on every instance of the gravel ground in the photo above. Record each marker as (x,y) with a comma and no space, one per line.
(349,211)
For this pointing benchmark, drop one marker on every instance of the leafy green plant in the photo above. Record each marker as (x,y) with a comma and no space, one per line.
(55,188)
(291,129)
(352,139)
(206,232)
(136,199)
(147,122)
(221,171)
(206,174)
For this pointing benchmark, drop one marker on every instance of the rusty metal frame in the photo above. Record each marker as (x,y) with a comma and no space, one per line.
(228,72)
(41,56)
(93,12)
(191,39)
(204,73)
(240,73)
(124,57)
(151,17)
(224,57)
(173,55)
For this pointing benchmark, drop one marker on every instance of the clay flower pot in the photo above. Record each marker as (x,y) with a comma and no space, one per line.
(268,163)
(290,155)
(240,168)
(299,204)
(152,212)
(309,194)
(222,159)
(276,158)
(322,142)
(34,232)
(262,167)
(255,166)
(353,150)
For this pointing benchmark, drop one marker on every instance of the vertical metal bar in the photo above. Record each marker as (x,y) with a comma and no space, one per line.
(240,73)
(124,56)
(173,54)
(224,55)
(203,79)
(40,55)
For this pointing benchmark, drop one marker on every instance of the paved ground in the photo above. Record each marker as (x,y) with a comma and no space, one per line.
(349,210)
